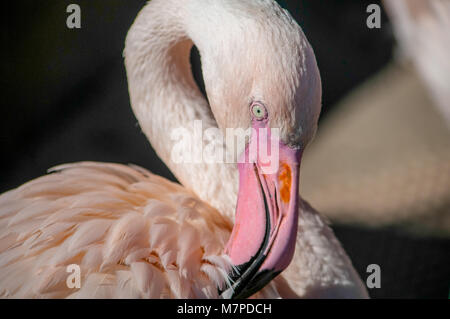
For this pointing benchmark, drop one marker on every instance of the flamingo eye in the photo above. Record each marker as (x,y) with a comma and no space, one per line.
(258,111)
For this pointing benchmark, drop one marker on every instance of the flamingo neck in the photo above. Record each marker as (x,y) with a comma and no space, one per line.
(164,98)
(168,104)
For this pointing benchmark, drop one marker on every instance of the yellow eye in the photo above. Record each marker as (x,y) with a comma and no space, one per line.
(258,111)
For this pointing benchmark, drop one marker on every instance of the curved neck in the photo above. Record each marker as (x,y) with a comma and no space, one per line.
(165,98)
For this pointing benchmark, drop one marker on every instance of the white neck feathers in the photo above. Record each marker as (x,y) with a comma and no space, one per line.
(164,97)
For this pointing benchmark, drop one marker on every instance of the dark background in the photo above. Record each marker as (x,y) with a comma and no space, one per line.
(65,99)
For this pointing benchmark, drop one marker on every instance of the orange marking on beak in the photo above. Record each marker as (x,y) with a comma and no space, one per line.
(285,178)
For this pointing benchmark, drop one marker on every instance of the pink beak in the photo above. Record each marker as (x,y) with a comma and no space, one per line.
(262,242)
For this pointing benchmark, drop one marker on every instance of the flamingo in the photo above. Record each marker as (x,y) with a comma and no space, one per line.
(230,231)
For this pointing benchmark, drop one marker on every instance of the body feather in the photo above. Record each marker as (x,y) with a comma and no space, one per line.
(133,234)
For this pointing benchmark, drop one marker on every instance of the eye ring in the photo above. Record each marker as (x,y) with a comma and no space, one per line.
(258,111)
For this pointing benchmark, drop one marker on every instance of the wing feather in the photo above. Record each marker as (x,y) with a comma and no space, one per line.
(133,235)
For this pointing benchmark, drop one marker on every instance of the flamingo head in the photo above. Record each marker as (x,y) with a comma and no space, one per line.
(269,83)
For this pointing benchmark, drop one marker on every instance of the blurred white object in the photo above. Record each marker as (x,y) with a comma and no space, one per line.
(422,29)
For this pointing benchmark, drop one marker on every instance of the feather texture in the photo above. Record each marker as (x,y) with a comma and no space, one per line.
(134,234)
(124,230)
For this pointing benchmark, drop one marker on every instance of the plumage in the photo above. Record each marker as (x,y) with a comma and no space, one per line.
(112,230)
(137,235)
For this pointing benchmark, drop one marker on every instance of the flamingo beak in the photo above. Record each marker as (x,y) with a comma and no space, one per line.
(262,241)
